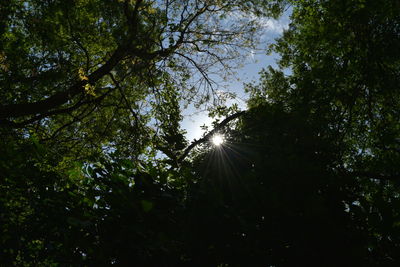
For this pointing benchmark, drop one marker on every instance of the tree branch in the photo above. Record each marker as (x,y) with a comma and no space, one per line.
(209,134)
(43,106)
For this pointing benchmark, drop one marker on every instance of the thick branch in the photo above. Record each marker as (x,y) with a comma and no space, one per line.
(42,106)
(19,110)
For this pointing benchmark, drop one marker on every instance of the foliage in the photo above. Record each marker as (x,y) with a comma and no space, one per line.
(268,195)
(96,171)
(343,84)
(90,95)
(109,213)
(86,76)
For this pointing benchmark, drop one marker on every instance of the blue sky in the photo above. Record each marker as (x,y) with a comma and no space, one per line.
(194,118)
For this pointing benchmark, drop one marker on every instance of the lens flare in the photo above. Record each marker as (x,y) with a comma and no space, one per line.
(217,140)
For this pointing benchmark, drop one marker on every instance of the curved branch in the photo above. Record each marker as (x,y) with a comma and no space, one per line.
(60,98)
(39,117)
(205,138)
(46,105)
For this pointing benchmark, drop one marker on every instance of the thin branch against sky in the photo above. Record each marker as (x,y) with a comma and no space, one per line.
(257,59)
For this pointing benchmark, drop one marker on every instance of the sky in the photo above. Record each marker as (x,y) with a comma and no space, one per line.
(193,119)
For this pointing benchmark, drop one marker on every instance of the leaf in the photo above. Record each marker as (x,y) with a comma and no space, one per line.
(147,205)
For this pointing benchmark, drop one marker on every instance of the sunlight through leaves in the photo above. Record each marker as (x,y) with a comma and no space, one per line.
(217,140)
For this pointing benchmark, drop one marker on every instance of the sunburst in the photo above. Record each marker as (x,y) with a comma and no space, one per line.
(217,140)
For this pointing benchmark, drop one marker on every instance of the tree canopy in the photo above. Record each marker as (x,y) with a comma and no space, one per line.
(95,169)
(91,73)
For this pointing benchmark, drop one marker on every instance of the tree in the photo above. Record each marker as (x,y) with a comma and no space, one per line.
(97,85)
(110,213)
(268,197)
(90,73)
(343,82)
(345,73)
(310,174)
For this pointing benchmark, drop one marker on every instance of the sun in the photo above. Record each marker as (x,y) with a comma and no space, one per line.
(217,139)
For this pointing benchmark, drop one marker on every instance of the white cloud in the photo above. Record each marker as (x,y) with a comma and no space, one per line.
(275,26)
(268,26)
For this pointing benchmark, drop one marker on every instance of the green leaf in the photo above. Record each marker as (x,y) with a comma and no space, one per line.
(147,205)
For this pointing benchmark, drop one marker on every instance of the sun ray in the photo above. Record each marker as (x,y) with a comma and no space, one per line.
(217,140)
